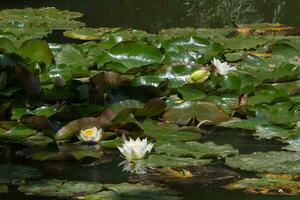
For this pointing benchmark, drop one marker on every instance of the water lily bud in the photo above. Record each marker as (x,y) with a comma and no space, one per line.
(198,76)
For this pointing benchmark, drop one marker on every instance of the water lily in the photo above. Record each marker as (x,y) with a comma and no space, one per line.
(135,149)
(90,135)
(222,68)
(198,76)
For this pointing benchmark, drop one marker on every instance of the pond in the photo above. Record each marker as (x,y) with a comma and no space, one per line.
(220,101)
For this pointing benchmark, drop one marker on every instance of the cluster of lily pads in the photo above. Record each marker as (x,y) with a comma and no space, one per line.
(152,96)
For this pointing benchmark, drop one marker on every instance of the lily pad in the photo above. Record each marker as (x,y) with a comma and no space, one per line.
(184,112)
(249,124)
(169,131)
(130,55)
(134,192)
(60,188)
(176,75)
(271,184)
(18,133)
(47,16)
(94,190)
(194,149)
(275,132)
(155,160)
(271,162)
(71,55)
(37,51)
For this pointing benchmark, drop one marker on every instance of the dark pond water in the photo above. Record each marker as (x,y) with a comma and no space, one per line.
(153,15)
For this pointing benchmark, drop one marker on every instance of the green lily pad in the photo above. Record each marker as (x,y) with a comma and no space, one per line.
(71,55)
(135,192)
(271,184)
(189,50)
(191,93)
(169,131)
(249,124)
(17,133)
(131,55)
(46,111)
(271,162)
(38,139)
(155,160)
(176,75)
(267,94)
(194,149)
(112,144)
(47,16)
(275,132)
(36,50)
(7,46)
(90,33)
(94,190)
(184,112)
(60,188)
(293,143)
(10,174)
(59,74)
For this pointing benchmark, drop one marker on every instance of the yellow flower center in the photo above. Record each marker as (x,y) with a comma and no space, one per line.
(89,133)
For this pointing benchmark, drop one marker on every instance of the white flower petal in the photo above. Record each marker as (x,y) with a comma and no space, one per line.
(135,149)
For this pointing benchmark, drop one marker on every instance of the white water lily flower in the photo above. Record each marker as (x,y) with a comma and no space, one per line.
(135,149)
(222,68)
(90,135)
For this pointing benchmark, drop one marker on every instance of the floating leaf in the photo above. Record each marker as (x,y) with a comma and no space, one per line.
(184,112)
(272,184)
(271,162)
(71,55)
(168,131)
(60,188)
(194,149)
(177,76)
(47,16)
(249,124)
(170,161)
(191,92)
(131,55)
(275,132)
(134,192)
(90,33)
(37,51)
(18,133)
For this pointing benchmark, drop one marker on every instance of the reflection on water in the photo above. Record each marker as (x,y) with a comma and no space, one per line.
(153,15)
